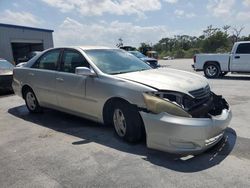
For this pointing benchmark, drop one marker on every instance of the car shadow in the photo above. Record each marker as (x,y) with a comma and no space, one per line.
(231,77)
(4,93)
(88,131)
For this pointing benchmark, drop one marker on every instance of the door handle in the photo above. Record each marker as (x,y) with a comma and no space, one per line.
(31,74)
(60,79)
(237,57)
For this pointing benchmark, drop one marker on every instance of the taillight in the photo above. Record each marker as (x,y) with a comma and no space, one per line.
(194,59)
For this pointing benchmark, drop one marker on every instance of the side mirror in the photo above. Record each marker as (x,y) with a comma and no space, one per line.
(84,71)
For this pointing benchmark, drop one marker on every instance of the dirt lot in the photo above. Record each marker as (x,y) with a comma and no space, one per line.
(54,149)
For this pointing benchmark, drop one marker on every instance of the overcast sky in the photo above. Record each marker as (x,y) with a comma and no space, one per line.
(102,22)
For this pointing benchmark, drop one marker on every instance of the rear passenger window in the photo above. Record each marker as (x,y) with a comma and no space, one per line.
(243,49)
(48,60)
(72,59)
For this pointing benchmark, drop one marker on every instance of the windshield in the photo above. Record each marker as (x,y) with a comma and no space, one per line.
(5,65)
(137,54)
(115,61)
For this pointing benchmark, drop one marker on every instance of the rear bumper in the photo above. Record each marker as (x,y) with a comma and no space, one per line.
(184,135)
(5,82)
(17,87)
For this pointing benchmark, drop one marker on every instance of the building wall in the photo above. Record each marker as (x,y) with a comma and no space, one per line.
(8,34)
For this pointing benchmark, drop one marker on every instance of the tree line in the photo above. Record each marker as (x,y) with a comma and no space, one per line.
(213,40)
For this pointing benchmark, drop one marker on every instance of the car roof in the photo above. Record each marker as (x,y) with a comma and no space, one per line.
(94,47)
(84,47)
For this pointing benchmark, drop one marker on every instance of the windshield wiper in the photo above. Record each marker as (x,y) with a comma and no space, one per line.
(121,72)
(143,69)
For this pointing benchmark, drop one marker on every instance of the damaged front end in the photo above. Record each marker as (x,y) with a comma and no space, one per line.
(201,103)
(181,123)
(207,107)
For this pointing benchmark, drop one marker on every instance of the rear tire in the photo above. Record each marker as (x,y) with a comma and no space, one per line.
(31,101)
(127,122)
(212,70)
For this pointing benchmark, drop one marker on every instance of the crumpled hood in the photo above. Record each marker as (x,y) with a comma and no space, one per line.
(167,79)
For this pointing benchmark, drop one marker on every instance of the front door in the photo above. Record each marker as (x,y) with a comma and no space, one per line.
(70,87)
(240,61)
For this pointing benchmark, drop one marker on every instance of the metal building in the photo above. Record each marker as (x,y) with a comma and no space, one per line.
(18,41)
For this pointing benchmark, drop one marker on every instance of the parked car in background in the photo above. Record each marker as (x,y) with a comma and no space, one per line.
(6,75)
(216,65)
(175,109)
(168,58)
(28,57)
(151,61)
(152,54)
(128,48)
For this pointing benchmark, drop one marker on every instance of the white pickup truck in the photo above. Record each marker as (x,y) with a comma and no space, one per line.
(216,65)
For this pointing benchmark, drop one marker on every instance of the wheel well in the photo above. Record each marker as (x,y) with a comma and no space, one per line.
(24,89)
(211,62)
(108,107)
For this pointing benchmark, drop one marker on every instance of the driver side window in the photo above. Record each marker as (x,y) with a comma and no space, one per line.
(72,59)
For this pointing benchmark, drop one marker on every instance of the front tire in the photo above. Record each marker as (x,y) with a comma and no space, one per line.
(127,122)
(31,101)
(212,70)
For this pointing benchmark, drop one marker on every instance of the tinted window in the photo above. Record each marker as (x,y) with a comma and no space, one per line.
(72,59)
(243,49)
(48,60)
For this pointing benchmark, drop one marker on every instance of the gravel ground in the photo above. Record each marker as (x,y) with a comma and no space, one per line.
(54,149)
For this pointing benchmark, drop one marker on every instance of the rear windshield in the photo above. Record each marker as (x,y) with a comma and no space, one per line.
(5,64)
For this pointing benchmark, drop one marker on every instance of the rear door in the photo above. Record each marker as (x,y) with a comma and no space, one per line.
(71,93)
(41,77)
(241,59)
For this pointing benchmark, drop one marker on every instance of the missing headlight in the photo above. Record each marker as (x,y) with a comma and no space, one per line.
(157,105)
(173,97)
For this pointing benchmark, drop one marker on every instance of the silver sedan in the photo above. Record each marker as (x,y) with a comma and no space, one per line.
(175,109)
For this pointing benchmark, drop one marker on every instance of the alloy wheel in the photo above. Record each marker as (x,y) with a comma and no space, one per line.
(211,70)
(31,100)
(119,122)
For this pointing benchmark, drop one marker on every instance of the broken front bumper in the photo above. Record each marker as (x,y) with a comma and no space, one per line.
(184,135)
